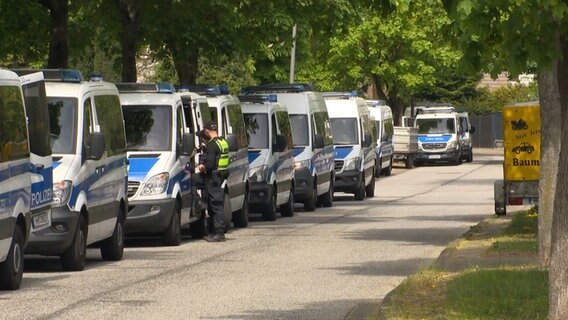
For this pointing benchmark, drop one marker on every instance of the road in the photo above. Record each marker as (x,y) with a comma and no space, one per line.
(315,265)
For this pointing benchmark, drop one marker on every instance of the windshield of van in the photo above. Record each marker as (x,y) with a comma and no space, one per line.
(257,130)
(299,123)
(62,124)
(148,128)
(344,131)
(436,126)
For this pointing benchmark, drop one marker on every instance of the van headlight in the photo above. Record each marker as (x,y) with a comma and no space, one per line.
(258,174)
(302,164)
(452,145)
(61,192)
(156,185)
(352,164)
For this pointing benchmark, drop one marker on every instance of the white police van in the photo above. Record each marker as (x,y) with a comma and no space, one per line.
(354,144)
(225,110)
(439,137)
(270,154)
(313,143)
(381,115)
(466,130)
(160,151)
(89,170)
(15,182)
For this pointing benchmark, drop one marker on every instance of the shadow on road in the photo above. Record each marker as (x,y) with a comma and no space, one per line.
(395,268)
(424,236)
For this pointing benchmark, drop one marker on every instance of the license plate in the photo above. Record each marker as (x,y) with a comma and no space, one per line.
(40,220)
(434,156)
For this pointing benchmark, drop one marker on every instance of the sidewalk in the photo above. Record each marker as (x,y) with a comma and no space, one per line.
(488,151)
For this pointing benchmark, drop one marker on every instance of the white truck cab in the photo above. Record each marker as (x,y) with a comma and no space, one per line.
(381,115)
(439,137)
(15,181)
(89,170)
(160,151)
(354,144)
(270,155)
(313,143)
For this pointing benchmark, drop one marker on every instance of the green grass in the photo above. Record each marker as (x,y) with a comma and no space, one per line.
(507,293)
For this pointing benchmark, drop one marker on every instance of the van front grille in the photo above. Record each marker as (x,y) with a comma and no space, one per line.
(133,187)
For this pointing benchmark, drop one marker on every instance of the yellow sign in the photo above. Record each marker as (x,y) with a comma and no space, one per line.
(521,130)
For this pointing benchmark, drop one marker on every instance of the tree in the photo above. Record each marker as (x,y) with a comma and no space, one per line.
(59,33)
(516,35)
(130,36)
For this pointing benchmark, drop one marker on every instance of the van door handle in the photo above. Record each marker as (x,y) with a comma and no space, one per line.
(100,169)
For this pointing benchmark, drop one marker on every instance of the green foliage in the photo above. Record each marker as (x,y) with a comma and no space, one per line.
(493,101)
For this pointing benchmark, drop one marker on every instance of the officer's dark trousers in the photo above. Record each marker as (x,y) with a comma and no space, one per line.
(215,196)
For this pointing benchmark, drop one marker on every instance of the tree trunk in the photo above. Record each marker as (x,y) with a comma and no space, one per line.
(558,273)
(130,13)
(394,102)
(185,62)
(58,33)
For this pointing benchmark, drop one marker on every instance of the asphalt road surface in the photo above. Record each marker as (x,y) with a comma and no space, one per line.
(315,265)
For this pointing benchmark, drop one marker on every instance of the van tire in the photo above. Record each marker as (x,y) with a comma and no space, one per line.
(74,258)
(378,168)
(269,213)
(327,198)
(12,269)
(198,228)
(360,191)
(112,248)
(469,157)
(370,189)
(388,170)
(409,161)
(311,202)
(241,217)
(172,235)
(287,209)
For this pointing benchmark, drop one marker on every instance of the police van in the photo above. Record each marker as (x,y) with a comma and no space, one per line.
(354,144)
(15,182)
(89,170)
(439,137)
(381,115)
(160,151)
(466,142)
(270,154)
(312,138)
(225,110)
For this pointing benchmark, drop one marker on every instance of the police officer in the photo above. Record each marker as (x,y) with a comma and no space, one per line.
(214,168)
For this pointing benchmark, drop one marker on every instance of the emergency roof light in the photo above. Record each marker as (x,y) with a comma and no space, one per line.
(278,88)
(158,87)
(204,89)
(376,103)
(56,75)
(259,98)
(339,95)
(96,77)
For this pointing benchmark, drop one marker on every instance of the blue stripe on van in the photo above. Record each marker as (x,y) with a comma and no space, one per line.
(139,168)
(444,138)
(252,155)
(56,164)
(342,152)
(298,150)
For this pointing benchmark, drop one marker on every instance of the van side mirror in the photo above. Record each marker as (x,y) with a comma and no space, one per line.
(95,146)
(187,147)
(367,140)
(232,142)
(318,141)
(280,144)
(472,130)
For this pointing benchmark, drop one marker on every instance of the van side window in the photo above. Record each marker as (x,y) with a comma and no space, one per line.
(180,126)
(273,128)
(237,124)
(224,123)
(321,124)
(189,114)
(14,137)
(87,121)
(38,115)
(109,116)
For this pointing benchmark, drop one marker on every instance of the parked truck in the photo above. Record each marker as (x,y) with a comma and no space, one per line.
(405,145)
(521,166)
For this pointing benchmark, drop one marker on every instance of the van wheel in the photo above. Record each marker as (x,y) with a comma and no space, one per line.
(370,189)
(327,198)
(409,161)
(113,247)
(287,209)
(388,170)
(269,213)
(227,211)
(241,217)
(197,229)
(360,191)
(73,259)
(378,169)
(172,235)
(12,269)
(469,157)
(310,204)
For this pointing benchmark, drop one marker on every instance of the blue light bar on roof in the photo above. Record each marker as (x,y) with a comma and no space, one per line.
(62,75)
(259,98)
(278,88)
(160,87)
(204,89)
(339,95)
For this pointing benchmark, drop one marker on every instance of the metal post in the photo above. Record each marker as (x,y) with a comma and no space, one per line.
(293,55)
